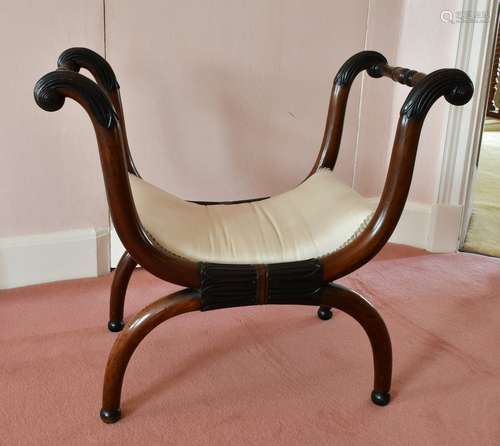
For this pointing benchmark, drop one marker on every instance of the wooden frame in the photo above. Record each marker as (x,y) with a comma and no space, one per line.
(212,286)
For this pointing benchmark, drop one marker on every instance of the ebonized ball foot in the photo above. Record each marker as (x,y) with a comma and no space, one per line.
(324,313)
(110,416)
(381,398)
(115,326)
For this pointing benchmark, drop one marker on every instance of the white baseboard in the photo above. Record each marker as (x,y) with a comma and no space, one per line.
(40,258)
(434,227)
(445,228)
(413,226)
(117,248)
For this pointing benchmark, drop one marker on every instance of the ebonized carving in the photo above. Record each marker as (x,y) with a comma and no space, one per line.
(235,285)
(224,286)
(453,84)
(365,60)
(75,58)
(52,89)
(294,281)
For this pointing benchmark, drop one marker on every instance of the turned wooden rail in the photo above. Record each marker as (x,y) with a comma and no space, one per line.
(404,76)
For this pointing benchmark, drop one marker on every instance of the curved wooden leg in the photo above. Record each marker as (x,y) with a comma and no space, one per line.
(136,329)
(360,309)
(121,277)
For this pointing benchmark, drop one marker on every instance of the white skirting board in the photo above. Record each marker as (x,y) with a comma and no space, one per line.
(434,227)
(413,226)
(117,248)
(32,259)
(40,258)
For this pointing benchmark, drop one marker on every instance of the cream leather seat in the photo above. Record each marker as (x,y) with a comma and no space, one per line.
(316,218)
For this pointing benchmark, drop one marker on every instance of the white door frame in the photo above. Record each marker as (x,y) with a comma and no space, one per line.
(453,208)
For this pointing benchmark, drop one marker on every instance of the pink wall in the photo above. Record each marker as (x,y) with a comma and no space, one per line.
(50,170)
(223,99)
(434,48)
(411,34)
(228,99)
(376,116)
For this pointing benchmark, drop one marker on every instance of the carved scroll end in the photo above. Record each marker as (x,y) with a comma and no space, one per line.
(50,92)
(453,84)
(75,58)
(365,60)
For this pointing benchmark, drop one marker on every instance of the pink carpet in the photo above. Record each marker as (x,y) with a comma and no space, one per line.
(262,375)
